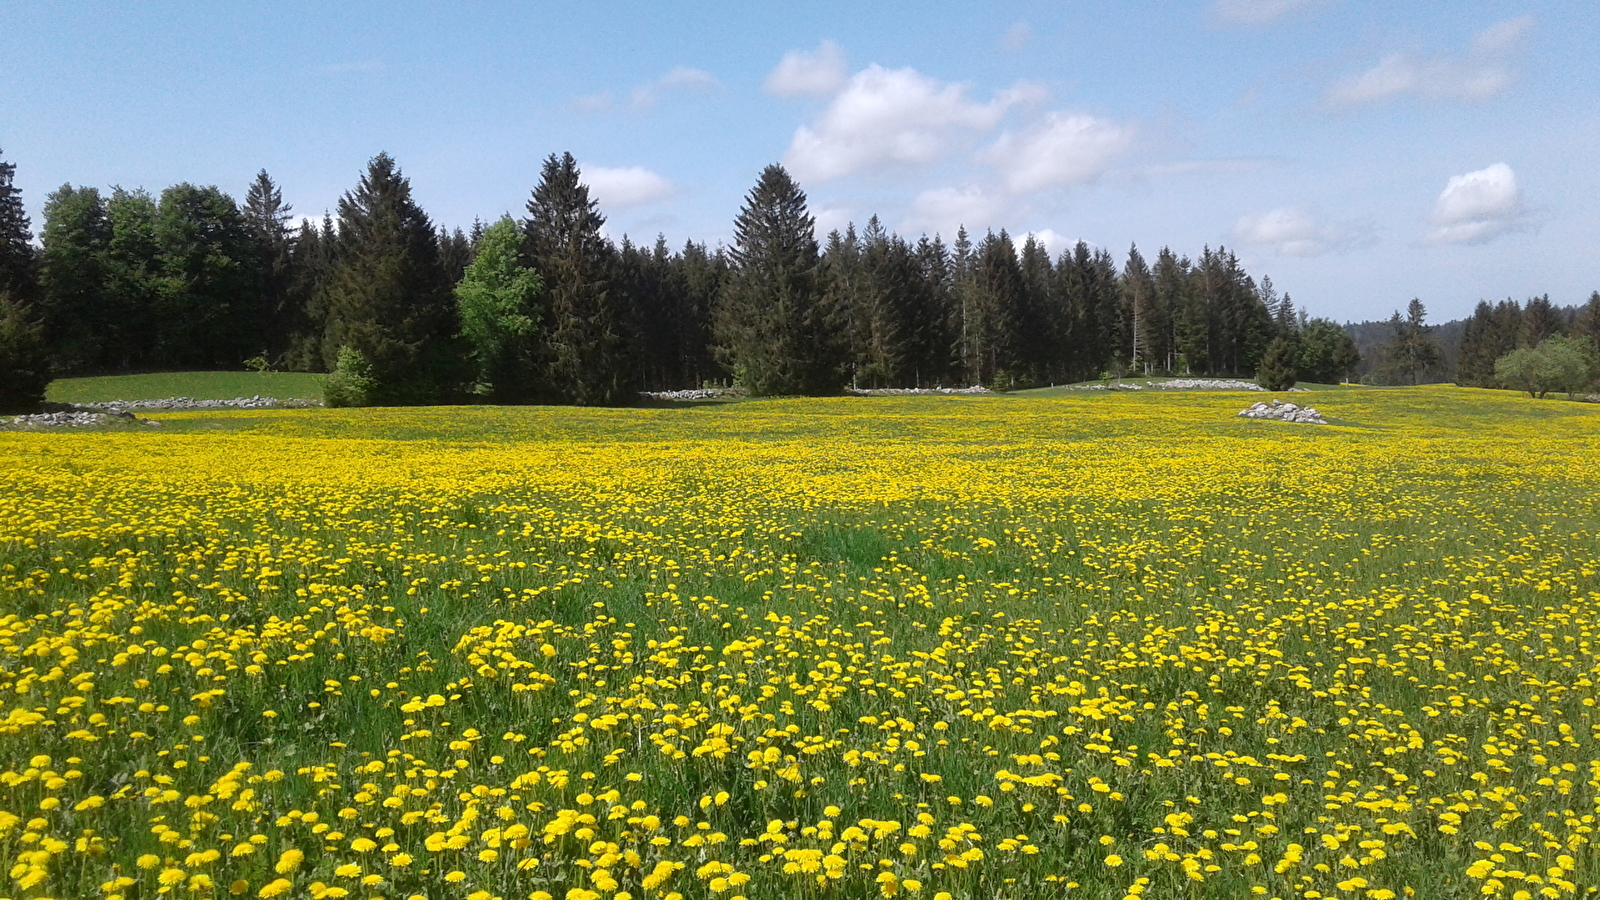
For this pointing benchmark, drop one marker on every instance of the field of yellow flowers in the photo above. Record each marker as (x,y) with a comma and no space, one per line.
(950,647)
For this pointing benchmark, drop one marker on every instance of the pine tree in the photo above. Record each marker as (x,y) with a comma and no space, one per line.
(586,342)
(18,273)
(73,295)
(1412,353)
(24,365)
(695,277)
(497,301)
(1588,320)
(774,324)
(456,252)
(387,298)
(1478,349)
(266,219)
(1540,320)
(1138,300)
(1171,313)
(996,305)
(1277,370)
(305,317)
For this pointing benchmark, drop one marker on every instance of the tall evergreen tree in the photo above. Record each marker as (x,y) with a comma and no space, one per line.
(1540,320)
(1477,351)
(24,364)
(995,308)
(586,335)
(1588,320)
(774,323)
(694,282)
(387,297)
(1412,354)
(266,219)
(305,315)
(18,273)
(77,320)
(1172,339)
(456,252)
(1138,301)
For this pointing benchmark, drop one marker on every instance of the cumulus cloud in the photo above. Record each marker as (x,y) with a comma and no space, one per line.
(1054,241)
(1477,207)
(817,73)
(944,210)
(1058,151)
(1255,12)
(630,186)
(831,218)
(1289,231)
(678,78)
(893,117)
(1482,72)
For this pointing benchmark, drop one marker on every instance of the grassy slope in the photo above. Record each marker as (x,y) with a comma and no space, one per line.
(198,385)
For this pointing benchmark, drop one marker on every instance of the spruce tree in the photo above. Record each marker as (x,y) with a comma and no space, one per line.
(18,273)
(387,298)
(266,219)
(996,307)
(1138,296)
(1540,320)
(1277,370)
(586,342)
(774,324)
(1588,320)
(24,365)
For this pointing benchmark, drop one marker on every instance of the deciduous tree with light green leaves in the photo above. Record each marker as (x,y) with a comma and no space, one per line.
(1559,363)
(497,301)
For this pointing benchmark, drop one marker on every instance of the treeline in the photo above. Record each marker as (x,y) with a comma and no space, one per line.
(547,309)
(1494,331)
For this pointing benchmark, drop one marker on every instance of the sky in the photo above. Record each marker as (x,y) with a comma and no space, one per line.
(1359,153)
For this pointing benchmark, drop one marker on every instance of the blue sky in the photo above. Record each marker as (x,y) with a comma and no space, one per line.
(1359,153)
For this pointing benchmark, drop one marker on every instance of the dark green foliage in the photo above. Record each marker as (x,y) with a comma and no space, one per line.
(1277,371)
(134,282)
(351,383)
(387,296)
(1587,320)
(777,328)
(24,365)
(1141,314)
(497,303)
(994,304)
(79,325)
(586,342)
(1540,320)
(1412,355)
(1328,354)
(266,219)
(18,265)
(209,312)
(305,322)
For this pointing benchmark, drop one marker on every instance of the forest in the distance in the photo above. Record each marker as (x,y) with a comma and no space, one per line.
(547,309)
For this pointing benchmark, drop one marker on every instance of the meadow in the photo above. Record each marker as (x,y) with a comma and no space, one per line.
(1122,646)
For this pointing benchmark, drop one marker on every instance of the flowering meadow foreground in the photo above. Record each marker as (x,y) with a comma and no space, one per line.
(1102,646)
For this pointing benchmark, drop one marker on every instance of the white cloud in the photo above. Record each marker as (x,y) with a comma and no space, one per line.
(1477,207)
(1255,12)
(1479,74)
(943,210)
(678,78)
(1058,151)
(831,218)
(892,117)
(1054,241)
(1289,231)
(631,186)
(800,73)
(1017,36)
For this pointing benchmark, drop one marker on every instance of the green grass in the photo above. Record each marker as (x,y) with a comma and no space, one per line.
(198,385)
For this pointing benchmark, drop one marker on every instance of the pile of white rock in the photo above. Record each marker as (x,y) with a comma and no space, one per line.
(1119,386)
(1206,384)
(74,419)
(695,394)
(886,392)
(177,403)
(1284,412)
